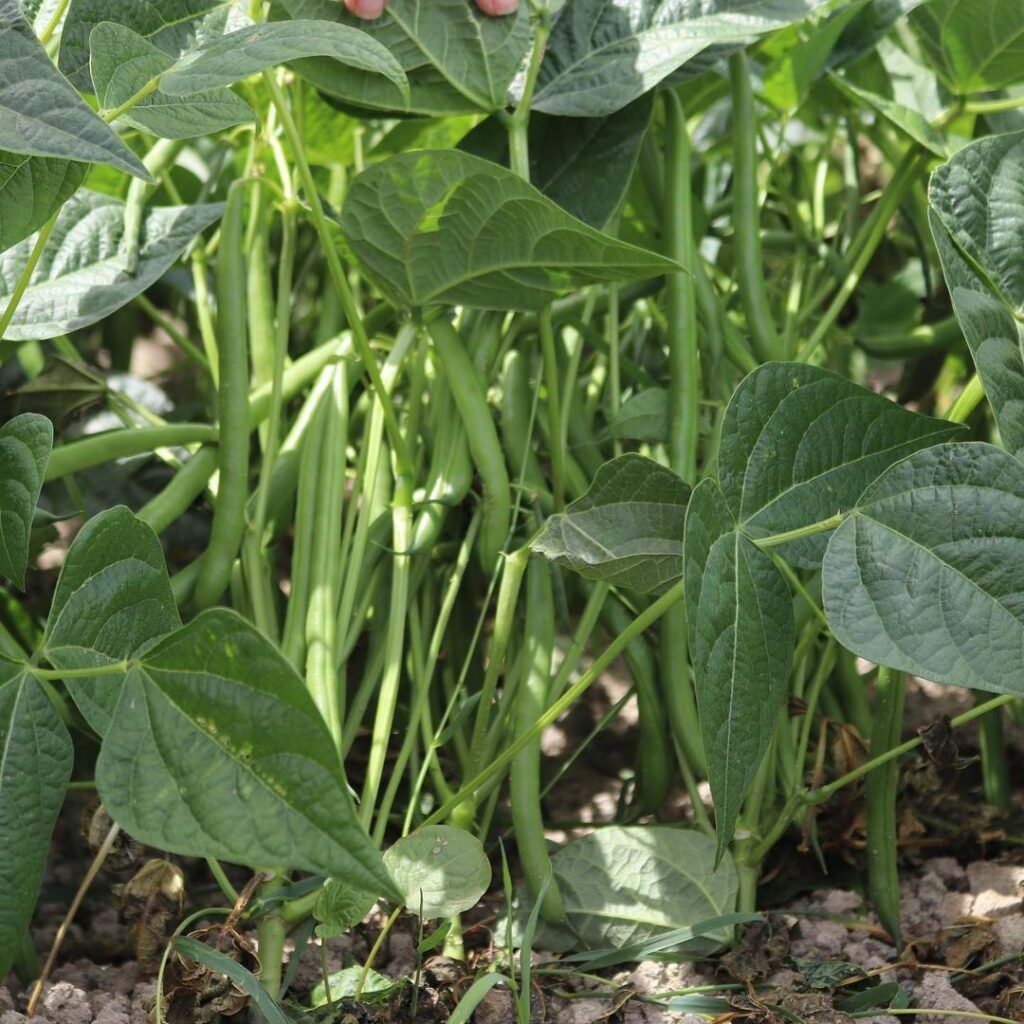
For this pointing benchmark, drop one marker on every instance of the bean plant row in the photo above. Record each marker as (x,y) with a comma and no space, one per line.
(500,349)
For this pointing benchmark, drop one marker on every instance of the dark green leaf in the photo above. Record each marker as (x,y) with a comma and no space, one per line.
(643,417)
(216,749)
(35,765)
(61,391)
(602,56)
(113,599)
(25,444)
(627,529)
(81,276)
(339,907)
(122,62)
(740,619)
(456,59)
(31,189)
(800,444)
(40,114)
(976,213)
(926,574)
(445,227)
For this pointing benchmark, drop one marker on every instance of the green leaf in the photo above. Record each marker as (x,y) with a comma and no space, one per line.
(643,417)
(40,114)
(249,50)
(81,276)
(800,444)
(627,529)
(441,871)
(122,62)
(602,56)
(976,213)
(371,986)
(35,765)
(445,227)
(216,749)
(927,573)
(25,444)
(457,60)
(339,907)
(974,45)
(584,164)
(740,619)
(625,885)
(113,599)
(32,188)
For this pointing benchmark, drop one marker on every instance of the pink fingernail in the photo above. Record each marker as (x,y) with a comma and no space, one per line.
(498,8)
(368,9)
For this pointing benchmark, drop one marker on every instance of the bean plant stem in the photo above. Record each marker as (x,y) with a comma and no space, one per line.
(26,274)
(519,121)
(549,356)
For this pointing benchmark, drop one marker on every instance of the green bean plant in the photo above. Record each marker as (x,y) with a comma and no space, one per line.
(638,329)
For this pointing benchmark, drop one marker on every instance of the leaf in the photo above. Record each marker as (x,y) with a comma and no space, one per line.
(31,189)
(445,227)
(627,529)
(339,907)
(457,60)
(122,62)
(739,616)
(441,871)
(800,444)
(926,574)
(624,885)
(35,766)
(602,56)
(584,164)
(249,50)
(973,46)
(216,749)
(40,114)
(976,213)
(371,986)
(81,276)
(643,417)
(25,444)
(113,599)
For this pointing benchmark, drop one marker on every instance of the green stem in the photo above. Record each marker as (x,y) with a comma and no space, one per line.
(132,101)
(26,274)
(558,438)
(96,449)
(92,672)
(271,931)
(519,122)
(969,399)
(822,526)
(995,767)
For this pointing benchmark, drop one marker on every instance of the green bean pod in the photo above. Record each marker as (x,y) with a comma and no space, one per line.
(516,432)
(232,404)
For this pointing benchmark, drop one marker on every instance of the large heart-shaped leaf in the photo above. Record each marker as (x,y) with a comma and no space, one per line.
(216,749)
(41,114)
(32,188)
(800,444)
(976,213)
(457,60)
(627,529)
(25,444)
(740,620)
(81,276)
(927,573)
(35,765)
(445,227)
(113,598)
(603,55)
(121,63)
(974,46)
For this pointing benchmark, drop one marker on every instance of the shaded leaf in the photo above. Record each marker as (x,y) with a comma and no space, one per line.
(339,907)
(740,620)
(60,391)
(81,276)
(41,114)
(25,444)
(445,227)
(35,765)
(627,529)
(189,764)
(113,599)
(924,575)
(643,417)
(344,984)
(31,189)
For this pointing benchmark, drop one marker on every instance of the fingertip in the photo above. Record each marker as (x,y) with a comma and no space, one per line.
(366,9)
(498,8)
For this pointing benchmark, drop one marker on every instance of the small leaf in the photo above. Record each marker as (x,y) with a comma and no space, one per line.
(339,907)
(925,575)
(113,599)
(643,417)
(445,227)
(41,114)
(739,615)
(81,276)
(441,871)
(216,749)
(32,188)
(35,765)
(25,444)
(372,986)
(249,50)
(627,529)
